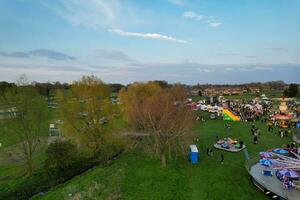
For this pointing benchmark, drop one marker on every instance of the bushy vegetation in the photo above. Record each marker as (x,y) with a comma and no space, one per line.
(61,155)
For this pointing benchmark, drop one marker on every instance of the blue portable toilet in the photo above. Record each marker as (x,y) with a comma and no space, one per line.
(298,125)
(194,154)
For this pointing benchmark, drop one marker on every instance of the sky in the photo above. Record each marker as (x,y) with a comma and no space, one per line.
(122,41)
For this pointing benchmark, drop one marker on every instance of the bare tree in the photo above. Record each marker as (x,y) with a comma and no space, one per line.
(165,117)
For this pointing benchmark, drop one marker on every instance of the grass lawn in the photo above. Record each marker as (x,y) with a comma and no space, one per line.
(246,96)
(197,98)
(137,176)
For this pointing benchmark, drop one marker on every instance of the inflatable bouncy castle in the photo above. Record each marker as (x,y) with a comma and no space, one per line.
(230,116)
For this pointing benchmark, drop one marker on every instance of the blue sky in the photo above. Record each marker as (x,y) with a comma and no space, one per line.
(189,41)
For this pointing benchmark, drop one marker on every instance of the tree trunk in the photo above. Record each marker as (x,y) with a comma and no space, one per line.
(170,152)
(29,165)
(163,160)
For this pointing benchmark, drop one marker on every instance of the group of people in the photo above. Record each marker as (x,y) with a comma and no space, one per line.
(281,132)
(250,111)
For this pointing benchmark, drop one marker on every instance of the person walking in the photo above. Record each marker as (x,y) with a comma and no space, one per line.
(217,138)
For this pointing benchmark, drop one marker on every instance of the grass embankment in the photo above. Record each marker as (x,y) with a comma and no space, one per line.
(137,176)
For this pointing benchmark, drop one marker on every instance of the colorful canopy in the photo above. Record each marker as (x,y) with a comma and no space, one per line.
(283,117)
(266,154)
(265,162)
(280,151)
(288,173)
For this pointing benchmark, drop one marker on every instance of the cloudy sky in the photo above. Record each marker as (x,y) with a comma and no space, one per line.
(189,41)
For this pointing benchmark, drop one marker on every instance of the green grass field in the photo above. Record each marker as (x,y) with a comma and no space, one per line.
(246,96)
(137,176)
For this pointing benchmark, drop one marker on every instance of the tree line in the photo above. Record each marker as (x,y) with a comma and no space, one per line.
(93,126)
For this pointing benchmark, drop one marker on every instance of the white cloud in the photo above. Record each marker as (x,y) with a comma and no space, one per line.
(178,2)
(205,70)
(91,13)
(209,20)
(192,15)
(214,24)
(228,68)
(99,14)
(116,66)
(147,35)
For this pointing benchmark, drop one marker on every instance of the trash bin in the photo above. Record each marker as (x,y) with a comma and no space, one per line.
(194,154)
(298,125)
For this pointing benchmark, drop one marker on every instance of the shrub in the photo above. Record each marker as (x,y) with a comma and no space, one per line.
(61,155)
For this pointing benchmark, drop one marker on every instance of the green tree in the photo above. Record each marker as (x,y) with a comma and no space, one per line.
(28,114)
(293,90)
(5,85)
(88,114)
(200,93)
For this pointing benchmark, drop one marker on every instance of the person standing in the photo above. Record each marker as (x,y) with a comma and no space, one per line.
(255,139)
(269,128)
(258,131)
(253,126)
(285,133)
(222,159)
(217,138)
(211,152)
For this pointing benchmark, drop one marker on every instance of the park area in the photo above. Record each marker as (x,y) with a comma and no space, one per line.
(226,151)
(135,176)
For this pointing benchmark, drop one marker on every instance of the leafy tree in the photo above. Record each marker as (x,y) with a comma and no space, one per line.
(133,100)
(88,114)
(162,84)
(292,91)
(116,87)
(44,88)
(5,85)
(200,93)
(286,93)
(163,114)
(276,85)
(28,114)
